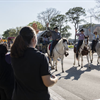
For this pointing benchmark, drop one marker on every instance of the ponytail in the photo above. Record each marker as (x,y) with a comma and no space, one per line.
(18,48)
(22,41)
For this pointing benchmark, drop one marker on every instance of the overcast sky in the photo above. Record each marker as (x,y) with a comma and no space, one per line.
(16,13)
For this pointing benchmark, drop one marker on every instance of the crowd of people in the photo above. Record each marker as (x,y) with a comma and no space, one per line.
(24,73)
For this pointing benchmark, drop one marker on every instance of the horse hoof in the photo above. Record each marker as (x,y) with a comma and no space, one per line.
(56,70)
(91,61)
(78,65)
(81,66)
(73,63)
(62,71)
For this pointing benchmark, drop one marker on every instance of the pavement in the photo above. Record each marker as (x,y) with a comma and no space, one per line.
(76,83)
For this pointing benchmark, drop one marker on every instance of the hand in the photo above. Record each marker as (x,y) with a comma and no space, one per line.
(76,31)
(47,24)
(35,27)
(89,30)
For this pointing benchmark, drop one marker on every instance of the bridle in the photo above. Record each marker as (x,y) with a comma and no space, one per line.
(85,45)
(64,49)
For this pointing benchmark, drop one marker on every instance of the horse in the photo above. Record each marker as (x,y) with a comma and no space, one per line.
(83,50)
(58,52)
(97,48)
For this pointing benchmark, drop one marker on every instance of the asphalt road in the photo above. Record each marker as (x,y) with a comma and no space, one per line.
(77,83)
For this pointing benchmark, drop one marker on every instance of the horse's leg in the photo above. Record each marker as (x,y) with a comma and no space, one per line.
(56,65)
(92,58)
(62,65)
(74,58)
(78,60)
(52,67)
(98,60)
(81,61)
(90,54)
(88,61)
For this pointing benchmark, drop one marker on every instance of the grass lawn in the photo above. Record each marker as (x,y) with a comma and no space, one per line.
(70,46)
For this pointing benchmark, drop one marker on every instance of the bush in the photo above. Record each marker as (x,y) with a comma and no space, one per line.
(70,46)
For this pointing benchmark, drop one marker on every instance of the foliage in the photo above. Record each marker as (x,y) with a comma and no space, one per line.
(74,15)
(70,46)
(61,22)
(39,25)
(88,25)
(13,32)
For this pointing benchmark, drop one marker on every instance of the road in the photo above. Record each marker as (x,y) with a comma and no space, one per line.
(77,83)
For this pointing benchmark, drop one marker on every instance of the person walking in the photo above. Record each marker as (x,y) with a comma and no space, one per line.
(31,68)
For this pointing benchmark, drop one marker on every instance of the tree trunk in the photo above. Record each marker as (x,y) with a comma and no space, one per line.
(75,34)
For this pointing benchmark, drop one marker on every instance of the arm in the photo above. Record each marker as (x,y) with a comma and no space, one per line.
(91,32)
(48,81)
(77,34)
(49,28)
(45,73)
(35,27)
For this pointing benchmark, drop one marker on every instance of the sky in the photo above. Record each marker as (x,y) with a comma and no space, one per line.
(16,13)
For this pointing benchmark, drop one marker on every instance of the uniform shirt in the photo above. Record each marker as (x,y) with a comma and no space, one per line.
(55,35)
(28,72)
(80,35)
(94,37)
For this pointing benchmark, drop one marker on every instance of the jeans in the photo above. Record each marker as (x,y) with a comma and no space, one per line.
(53,43)
(79,45)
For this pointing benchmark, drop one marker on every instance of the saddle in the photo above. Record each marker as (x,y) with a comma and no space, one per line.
(84,51)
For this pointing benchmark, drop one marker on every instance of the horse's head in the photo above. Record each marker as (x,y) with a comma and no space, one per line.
(86,41)
(65,43)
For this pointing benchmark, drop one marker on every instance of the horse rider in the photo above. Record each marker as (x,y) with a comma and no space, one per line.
(80,40)
(56,36)
(95,38)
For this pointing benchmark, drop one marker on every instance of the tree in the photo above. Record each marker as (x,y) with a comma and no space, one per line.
(61,22)
(47,15)
(12,32)
(39,25)
(74,14)
(95,11)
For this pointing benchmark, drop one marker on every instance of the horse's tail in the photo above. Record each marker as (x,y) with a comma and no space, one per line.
(48,51)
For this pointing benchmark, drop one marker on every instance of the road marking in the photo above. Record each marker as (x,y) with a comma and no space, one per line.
(55,96)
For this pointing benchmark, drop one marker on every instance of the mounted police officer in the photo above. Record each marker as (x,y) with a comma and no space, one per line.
(56,36)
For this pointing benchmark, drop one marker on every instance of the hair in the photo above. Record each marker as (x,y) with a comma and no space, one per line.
(22,41)
(3,51)
(95,32)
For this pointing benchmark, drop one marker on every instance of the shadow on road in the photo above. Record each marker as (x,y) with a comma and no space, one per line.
(76,72)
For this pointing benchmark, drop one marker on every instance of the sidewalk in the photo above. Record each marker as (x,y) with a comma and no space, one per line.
(55,96)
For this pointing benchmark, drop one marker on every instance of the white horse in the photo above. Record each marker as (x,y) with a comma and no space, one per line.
(84,50)
(97,48)
(58,52)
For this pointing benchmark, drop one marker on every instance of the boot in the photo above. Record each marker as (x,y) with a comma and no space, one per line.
(66,54)
(51,54)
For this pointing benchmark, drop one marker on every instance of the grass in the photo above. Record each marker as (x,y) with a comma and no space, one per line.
(70,46)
